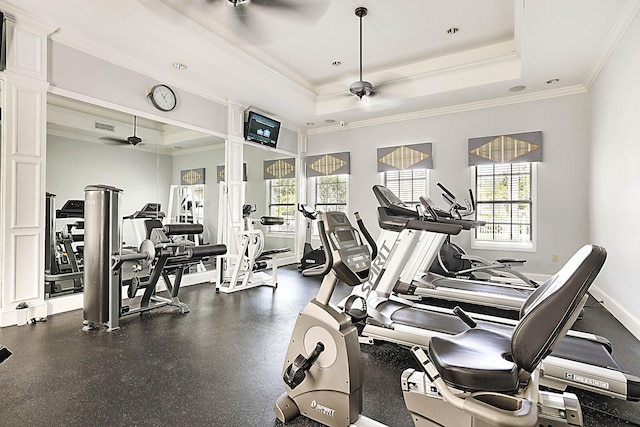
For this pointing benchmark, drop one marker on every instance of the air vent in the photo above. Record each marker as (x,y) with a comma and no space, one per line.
(103,126)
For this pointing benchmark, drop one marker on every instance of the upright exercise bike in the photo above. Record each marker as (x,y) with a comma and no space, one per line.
(480,377)
(310,257)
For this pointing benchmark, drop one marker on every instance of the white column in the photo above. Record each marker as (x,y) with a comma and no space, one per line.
(301,197)
(23,168)
(234,158)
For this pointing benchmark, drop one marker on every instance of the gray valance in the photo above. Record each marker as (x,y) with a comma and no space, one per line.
(220,173)
(280,168)
(328,164)
(192,176)
(512,148)
(415,156)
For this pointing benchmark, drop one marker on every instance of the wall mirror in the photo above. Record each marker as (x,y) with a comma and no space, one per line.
(271,188)
(89,145)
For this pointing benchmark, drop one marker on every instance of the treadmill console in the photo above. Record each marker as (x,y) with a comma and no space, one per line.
(351,258)
(71,209)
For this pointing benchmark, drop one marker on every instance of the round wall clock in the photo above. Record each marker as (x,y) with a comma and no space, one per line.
(162,97)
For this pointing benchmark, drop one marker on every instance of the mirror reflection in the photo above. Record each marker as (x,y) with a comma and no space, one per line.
(165,172)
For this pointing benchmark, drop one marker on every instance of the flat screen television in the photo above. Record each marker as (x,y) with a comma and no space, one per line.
(262,129)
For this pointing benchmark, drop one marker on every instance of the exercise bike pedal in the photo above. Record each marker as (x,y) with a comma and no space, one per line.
(297,371)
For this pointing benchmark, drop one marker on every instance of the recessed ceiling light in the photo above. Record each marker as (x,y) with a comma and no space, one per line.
(453,30)
(179,66)
(552,81)
(310,123)
(517,88)
(329,121)
(336,63)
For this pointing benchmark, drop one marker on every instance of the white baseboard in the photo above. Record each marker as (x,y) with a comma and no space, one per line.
(628,320)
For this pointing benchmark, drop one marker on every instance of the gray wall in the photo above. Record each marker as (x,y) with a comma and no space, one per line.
(72,70)
(562,176)
(72,165)
(614,176)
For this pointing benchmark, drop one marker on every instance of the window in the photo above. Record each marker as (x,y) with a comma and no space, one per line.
(504,194)
(331,193)
(408,184)
(282,193)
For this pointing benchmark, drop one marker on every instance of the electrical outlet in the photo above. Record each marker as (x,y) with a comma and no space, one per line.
(554,258)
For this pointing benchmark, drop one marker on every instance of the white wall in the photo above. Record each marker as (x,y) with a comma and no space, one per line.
(72,165)
(614,176)
(562,176)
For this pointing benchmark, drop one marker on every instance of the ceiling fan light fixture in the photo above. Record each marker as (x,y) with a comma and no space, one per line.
(361,88)
(134,140)
(237,2)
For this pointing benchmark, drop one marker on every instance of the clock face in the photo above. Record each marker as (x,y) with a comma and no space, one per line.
(163,98)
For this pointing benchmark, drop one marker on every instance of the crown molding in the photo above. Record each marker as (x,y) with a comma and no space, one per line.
(480,105)
(629,11)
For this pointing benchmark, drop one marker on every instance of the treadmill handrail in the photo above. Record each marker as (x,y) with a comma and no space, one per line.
(388,221)
(367,236)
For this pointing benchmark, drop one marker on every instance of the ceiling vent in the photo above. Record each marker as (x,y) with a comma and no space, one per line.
(104,126)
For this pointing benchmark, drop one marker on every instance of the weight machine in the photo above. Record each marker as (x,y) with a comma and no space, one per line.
(249,267)
(104,260)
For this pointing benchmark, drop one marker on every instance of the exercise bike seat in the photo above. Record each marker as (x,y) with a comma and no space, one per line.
(483,360)
(476,359)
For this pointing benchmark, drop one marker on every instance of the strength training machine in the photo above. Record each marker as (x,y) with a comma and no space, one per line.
(249,267)
(480,377)
(104,259)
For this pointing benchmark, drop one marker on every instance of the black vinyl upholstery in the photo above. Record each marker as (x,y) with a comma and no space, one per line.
(150,224)
(481,359)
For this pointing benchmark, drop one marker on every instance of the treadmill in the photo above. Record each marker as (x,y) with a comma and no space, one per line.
(581,360)
(416,280)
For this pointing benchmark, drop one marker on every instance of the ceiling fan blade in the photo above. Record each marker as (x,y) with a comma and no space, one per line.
(113,140)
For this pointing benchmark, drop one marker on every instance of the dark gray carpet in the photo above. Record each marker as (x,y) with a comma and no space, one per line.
(218,365)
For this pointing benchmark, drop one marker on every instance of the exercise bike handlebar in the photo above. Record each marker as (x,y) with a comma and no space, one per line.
(328,255)
(307,211)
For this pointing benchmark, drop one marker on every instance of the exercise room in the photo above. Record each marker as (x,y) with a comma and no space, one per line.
(316,212)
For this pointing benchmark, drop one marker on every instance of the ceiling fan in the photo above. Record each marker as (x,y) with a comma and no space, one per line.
(311,10)
(132,140)
(361,87)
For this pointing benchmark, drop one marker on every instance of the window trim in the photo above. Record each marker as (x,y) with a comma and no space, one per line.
(513,246)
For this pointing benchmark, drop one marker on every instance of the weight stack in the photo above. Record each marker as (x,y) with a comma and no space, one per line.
(102,237)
